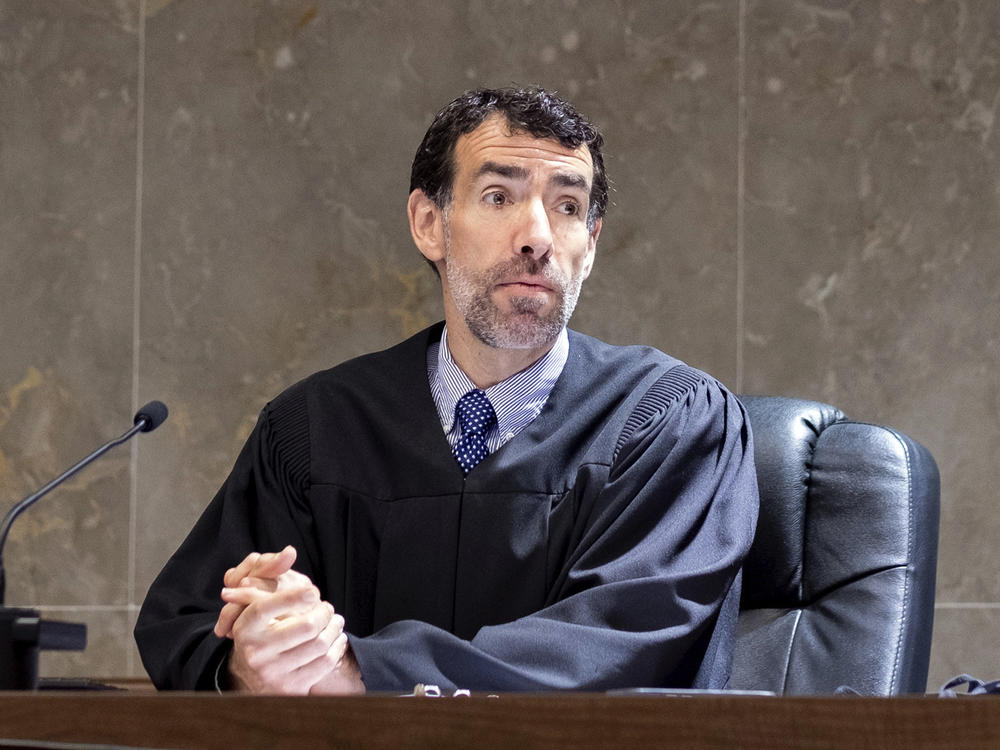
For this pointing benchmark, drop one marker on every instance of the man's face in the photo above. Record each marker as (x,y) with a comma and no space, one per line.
(516,246)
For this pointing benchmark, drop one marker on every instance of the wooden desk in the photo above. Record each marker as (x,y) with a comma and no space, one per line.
(231,722)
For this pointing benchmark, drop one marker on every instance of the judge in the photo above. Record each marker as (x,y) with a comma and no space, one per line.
(497,503)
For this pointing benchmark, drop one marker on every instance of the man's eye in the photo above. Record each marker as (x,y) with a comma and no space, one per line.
(570,208)
(496,199)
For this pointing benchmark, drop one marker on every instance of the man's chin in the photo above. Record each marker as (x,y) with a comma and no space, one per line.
(532,305)
(520,331)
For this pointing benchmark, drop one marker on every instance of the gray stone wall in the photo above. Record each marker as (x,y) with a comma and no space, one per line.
(203,200)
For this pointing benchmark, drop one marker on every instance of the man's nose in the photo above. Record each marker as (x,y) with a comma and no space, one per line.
(535,233)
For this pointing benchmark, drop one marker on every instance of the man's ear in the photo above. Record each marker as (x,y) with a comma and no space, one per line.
(588,261)
(426,225)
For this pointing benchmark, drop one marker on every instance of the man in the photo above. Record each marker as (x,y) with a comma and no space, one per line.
(495,504)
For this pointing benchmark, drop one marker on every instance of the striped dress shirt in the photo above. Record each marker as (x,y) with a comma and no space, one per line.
(516,400)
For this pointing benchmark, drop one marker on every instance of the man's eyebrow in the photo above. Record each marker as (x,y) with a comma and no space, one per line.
(571,180)
(514,172)
(503,170)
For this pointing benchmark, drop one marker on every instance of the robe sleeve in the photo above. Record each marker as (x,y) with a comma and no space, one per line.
(174,628)
(650,592)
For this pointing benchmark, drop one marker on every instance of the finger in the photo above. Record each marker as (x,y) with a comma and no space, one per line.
(292,579)
(286,644)
(252,590)
(236,602)
(273,564)
(263,584)
(266,565)
(315,634)
(244,595)
(234,607)
(314,659)
(324,665)
(262,607)
(338,648)
(233,575)
(291,673)
(232,610)
(339,679)
(289,631)
(272,603)
(288,580)
(227,616)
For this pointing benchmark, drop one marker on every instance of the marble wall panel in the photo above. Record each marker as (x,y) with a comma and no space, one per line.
(666,271)
(964,643)
(67,216)
(871,225)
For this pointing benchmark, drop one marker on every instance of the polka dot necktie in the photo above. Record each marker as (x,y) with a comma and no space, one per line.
(476,416)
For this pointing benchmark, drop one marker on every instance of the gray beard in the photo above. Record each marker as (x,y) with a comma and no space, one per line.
(525,327)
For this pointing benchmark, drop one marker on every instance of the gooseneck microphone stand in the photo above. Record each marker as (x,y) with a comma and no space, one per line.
(22,631)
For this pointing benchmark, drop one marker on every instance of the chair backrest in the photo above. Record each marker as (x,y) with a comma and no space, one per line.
(838,589)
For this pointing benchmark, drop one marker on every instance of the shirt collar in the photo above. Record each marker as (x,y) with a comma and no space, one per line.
(516,400)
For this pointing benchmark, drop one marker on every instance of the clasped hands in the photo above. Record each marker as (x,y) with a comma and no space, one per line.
(286,639)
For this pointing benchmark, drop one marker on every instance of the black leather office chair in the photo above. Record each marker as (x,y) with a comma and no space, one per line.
(838,589)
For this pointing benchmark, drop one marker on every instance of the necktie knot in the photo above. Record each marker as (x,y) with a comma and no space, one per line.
(476,417)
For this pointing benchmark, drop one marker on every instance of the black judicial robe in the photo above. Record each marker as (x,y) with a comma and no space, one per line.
(599,548)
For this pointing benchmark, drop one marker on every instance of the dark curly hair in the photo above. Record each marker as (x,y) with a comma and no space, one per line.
(535,111)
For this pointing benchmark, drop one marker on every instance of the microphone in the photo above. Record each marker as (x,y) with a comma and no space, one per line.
(22,631)
(147,419)
(152,415)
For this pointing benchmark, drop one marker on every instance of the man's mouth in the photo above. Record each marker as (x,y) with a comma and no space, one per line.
(526,285)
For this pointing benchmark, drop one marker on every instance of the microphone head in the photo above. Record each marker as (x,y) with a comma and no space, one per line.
(152,414)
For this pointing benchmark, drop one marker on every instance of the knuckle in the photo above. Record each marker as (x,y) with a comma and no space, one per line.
(253,659)
(325,640)
(306,627)
(323,614)
(308,591)
(241,621)
(330,637)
